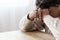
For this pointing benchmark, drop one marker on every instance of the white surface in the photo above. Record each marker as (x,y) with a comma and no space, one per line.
(18,35)
(13,35)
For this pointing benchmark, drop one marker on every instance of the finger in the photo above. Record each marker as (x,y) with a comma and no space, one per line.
(39,13)
(36,13)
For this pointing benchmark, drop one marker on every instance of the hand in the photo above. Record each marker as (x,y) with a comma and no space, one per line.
(33,14)
(40,13)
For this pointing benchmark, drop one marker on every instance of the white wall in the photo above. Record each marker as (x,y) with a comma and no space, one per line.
(11,11)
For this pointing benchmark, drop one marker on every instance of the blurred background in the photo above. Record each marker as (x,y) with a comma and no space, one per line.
(11,12)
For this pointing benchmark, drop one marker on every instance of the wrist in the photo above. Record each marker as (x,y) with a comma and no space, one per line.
(30,18)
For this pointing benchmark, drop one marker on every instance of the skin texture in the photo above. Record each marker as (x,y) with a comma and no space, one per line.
(54,11)
(32,15)
(38,13)
(35,13)
(45,12)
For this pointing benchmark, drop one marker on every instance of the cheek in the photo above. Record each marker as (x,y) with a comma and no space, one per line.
(59,11)
(55,12)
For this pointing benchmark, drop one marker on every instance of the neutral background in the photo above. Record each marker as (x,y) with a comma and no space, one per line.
(11,11)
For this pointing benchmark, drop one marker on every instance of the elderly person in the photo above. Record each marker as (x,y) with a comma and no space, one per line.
(48,12)
(33,21)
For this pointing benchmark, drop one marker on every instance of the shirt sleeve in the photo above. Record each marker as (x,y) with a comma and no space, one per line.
(26,25)
(51,24)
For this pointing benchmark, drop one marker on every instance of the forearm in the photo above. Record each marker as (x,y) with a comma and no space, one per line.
(26,24)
